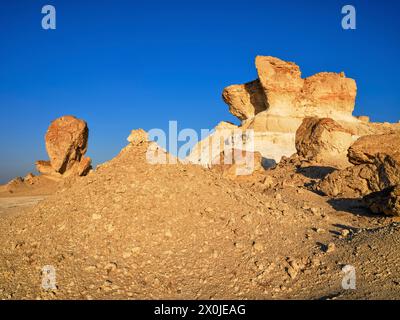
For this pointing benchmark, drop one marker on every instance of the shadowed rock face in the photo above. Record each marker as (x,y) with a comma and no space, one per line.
(66,144)
(385,202)
(245,100)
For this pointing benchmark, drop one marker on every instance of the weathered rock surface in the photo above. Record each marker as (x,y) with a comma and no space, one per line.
(281,82)
(245,100)
(323,141)
(45,168)
(328,94)
(365,149)
(235,162)
(286,94)
(209,148)
(66,144)
(275,104)
(360,180)
(138,137)
(385,202)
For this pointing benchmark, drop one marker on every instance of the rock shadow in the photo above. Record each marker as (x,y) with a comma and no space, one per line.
(268,163)
(315,172)
(354,206)
(257,97)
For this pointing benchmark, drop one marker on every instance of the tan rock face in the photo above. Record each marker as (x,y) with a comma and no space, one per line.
(281,82)
(385,202)
(138,137)
(328,94)
(66,144)
(209,148)
(235,162)
(365,149)
(360,180)
(275,104)
(323,141)
(245,100)
(44,167)
(281,91)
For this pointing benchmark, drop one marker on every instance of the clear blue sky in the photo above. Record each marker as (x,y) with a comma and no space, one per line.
(122,65)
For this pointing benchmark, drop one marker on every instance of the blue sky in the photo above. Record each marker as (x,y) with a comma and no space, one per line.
(122,65)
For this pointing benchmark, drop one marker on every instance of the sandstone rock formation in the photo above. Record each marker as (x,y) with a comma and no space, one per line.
(323,141)
(138,137)
(66,144)
(376,160)
(245,100)
(365,149)
(385,202)
(208,149)
(360,180)
(235,162)
(275,104)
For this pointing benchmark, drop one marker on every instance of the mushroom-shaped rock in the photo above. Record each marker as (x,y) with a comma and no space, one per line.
(66,144)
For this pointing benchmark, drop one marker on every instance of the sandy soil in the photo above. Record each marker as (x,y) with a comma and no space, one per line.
(9,203)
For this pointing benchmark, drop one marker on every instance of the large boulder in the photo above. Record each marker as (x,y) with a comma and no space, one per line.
(365,149)
(323,141)
(385,202)
(360,180)
(66,144)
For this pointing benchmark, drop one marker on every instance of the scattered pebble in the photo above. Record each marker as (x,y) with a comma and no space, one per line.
(330,247)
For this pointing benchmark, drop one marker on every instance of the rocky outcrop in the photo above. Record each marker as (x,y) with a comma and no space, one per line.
(235,162)
(365,149)
(323,141)
(376,160)
(288,95)
(385,202)
(66,144)
(328,94)
(281,83)
(209,148)
(138,137)
(274,105)
(245,100)
(360,180)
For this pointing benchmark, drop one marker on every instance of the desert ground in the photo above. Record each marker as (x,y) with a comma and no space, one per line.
(322,199)
(130,231)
